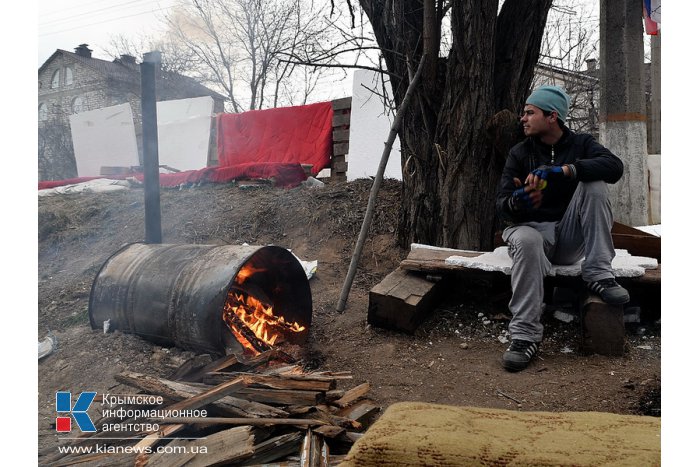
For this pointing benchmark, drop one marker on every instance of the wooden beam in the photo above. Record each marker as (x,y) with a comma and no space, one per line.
(342,103)
(341,120)
(433,260)
(603,327)
(401,301)
(340,149)
(341,136)
(429,260)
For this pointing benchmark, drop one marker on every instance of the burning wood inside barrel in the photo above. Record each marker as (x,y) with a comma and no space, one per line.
(254,323)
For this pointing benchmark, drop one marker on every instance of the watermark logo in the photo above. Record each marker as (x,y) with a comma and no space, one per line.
(78,411)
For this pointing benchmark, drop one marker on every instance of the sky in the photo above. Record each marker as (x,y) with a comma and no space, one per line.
(50,25)
(65,24)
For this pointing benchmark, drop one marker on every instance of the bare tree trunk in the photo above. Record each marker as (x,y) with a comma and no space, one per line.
(451,161)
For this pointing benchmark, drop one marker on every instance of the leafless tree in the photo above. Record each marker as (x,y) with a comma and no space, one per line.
(56,157)
(238,47)
(479,63)
(175,58)
(568,59)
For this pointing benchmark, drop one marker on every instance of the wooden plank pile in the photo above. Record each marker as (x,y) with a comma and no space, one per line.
(341,137)
(258,410)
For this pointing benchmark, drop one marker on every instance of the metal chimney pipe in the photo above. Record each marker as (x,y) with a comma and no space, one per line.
(149,124)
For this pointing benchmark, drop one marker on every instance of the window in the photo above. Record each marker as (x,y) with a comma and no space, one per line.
(43,112)
(78,105)
(69,76)
(55,78)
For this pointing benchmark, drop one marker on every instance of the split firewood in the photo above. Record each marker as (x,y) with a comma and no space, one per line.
(281,396)
(329,431)
(264,358)
(303,382)
(334,394)
(240,421)
(284,370)
(176,391)
(195,402)
(361,412)
(276,448)
(333,374)
(102,459)
(298,409)
(352,395)
(220,364)
(314,451)
(323,413)
(190,367)
(223,447)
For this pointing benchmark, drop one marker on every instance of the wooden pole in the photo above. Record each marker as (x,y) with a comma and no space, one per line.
(340,307)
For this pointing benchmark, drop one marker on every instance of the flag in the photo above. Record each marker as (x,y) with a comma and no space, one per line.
(651,25)
(653,10)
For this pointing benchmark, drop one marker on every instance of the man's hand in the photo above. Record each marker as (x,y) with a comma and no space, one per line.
(525,197)
(542,173)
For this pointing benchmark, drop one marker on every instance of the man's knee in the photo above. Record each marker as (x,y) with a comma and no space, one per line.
(597,189)
(524,238)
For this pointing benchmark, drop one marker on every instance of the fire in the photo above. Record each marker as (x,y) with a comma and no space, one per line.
(245,272)
(245,314)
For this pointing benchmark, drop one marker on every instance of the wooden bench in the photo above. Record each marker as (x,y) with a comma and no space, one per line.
(405,297)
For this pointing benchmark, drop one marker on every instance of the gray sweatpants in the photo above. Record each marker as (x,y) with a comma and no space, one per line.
(584,231)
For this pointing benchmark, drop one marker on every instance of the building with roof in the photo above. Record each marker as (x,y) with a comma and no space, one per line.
(73,82)
(583,88)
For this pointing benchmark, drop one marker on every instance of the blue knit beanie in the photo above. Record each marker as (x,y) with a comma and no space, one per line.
(550,98)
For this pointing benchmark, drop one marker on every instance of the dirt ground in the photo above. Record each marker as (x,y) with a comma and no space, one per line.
(453,358)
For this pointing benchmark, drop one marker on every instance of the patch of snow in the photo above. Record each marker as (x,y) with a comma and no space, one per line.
(652,229)
(623,264)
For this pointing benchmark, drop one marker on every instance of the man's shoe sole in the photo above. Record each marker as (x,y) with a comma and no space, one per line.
(514,367)
(617,301)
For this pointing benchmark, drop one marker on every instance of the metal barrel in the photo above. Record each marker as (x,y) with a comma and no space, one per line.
(175,294)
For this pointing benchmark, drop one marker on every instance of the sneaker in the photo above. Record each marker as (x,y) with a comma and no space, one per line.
(519,354)
(610,291)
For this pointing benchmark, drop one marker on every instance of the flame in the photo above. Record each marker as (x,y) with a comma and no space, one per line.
(245,272)
(258,318)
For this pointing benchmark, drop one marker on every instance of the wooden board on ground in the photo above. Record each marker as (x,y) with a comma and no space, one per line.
(401,301)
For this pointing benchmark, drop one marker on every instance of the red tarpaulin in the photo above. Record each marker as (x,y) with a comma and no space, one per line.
(258,144)
(302,134)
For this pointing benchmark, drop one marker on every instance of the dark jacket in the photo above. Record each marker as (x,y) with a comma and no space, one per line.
(592,161)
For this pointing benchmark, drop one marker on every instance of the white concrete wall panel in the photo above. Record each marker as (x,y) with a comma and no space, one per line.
(104,137)
(184,126)
(369,129)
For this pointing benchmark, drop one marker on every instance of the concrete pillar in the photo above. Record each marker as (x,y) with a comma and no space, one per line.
(622,105)
(655,117)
